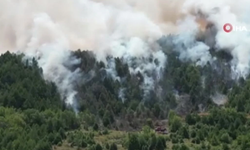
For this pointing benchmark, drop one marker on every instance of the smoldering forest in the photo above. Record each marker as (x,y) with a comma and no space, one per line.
(150,56)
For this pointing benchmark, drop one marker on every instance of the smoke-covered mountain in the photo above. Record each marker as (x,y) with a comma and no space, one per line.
(147,51)
(121,64)
(126,30)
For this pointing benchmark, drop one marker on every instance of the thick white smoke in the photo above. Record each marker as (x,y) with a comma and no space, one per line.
(219,99)
(236,42)
(122,28)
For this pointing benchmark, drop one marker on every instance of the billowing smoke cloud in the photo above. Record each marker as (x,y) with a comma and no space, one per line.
(235,13)
(122,28)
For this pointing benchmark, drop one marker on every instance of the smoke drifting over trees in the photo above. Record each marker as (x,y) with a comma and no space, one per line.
(125,29)
(70,66)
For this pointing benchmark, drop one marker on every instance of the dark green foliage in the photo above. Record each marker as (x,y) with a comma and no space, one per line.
(40,133)
(225,147)
(113,146)
(80,139)
(133,142)
(184,132)
(22,85)
(146,140)
(239,97)
(192,119)
(184,147)
(180,147)
(42,146)
(122,98)
(95,127)
(98,147)
(102,91)
(32,115)
(220,127)
(161,143)
(149,122)
(174,122)
(225,138)
(107,118)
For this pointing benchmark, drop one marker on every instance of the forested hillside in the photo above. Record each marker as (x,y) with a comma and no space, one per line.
(124,75)
(33,116)
(123,99)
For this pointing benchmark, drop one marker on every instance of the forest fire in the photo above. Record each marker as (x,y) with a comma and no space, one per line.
(203,23)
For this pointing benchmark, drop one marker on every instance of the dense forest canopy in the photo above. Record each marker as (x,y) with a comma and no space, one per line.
(34,115)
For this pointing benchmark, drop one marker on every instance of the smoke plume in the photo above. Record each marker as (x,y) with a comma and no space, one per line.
(127,29)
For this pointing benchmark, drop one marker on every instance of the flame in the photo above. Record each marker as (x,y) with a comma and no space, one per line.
(201,19)
(202,22)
